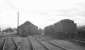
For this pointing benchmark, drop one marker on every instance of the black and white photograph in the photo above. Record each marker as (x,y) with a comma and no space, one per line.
(42,24)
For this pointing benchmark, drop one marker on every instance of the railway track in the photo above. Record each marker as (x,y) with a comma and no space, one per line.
(50,46)
(36,45)
(33,43)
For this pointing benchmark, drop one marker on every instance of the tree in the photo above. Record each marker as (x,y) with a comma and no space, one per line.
(8,30)
(81,32)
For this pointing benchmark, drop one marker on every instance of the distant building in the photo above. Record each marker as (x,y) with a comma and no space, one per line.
(65,25)
(27,29)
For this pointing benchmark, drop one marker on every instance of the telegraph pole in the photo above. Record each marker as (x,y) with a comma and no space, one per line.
(18,18)
(18,21)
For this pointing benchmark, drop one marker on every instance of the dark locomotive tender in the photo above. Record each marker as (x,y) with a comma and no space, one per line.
(63,29)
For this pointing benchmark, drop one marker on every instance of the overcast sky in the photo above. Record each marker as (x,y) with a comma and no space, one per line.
(41,12)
